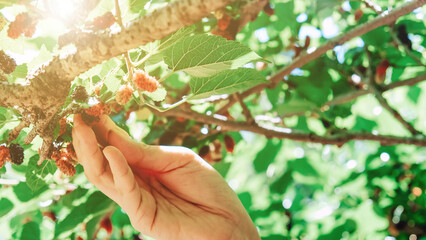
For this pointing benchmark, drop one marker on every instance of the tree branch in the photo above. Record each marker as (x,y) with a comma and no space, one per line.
(383,19)
(355,94)
(285,133)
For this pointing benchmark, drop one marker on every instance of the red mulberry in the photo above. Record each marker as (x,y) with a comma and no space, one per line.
(145,82)
(124,94)
(65,167)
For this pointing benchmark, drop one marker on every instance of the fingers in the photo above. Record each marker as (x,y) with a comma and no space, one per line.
(133,199)
(108,133)
(89,154)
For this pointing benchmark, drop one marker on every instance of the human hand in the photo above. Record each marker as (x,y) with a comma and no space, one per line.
(168,192)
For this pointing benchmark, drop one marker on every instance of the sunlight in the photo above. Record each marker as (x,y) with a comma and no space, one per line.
(64,9)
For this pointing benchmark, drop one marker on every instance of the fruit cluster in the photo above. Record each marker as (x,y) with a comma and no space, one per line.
(65,159)
(92,115)
(79,94)
(7,64)
(14,153)
(24,24)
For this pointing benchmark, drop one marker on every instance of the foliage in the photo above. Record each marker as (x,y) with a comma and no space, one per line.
(292,190)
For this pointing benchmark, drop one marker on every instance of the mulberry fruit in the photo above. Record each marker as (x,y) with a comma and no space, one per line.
(16,153)
(7,64)
(124,94)
(229,143)
(106,224)
(63,126)
(144,82)
(23,24)
(4,155)
(65,167)
(104,21)
(80,94)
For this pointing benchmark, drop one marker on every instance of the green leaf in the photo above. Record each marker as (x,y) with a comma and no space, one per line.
(35,174)
(157,96)
(226,82)
(281,184)
(267,155)
(204,55)
(25,194)
(97,203)
(5,206)
(30,231)
(173,38)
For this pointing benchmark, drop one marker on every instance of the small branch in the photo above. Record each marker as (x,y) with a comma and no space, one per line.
(355,94)
(15,132)
(378,94)
(383,19)
(126,54)
(285,133)
(246,111)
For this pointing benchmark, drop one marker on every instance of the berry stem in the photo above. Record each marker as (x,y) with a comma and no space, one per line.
(126,54)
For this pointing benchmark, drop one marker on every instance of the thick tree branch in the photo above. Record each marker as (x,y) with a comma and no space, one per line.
(284,133)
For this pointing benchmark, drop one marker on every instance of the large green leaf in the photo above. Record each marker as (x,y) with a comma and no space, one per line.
(204,55)
(30,231)
(226,82)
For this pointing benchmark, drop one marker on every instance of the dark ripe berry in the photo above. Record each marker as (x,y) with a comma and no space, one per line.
(80,94)
(204,151)
(268,10)
(89,119)
(16,153)
(50,214)
(403,36)
(143,81)
(7,64)
(229,143)
(106,224)
(104,21)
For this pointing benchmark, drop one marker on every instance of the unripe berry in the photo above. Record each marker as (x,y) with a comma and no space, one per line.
(124,94)
(23,24)
(144,82)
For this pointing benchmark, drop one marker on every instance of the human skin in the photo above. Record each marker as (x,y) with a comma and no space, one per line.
(168,192)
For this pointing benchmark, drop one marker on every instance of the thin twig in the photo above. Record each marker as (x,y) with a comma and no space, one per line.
(126,55)
(379,96)
(246,111)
